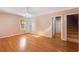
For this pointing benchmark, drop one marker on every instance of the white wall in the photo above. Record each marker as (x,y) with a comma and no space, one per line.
(9,25)
(43,26)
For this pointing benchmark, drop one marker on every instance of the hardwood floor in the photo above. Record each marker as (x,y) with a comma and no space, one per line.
(35,43)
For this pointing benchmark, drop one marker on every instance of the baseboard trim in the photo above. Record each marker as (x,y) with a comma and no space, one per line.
(13,35)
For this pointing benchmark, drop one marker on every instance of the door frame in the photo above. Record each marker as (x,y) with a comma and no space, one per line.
(53,20)
(66,24)
(65,20)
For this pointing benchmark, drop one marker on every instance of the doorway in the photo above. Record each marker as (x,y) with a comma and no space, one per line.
(72,28)
(57,27)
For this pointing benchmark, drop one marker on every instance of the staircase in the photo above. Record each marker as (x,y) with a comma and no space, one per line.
(72,32)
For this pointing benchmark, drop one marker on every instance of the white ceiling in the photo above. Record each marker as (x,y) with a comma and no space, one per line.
(15,10)
(43,10)
(34,11)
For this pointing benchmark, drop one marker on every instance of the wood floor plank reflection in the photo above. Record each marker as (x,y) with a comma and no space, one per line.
(34,43)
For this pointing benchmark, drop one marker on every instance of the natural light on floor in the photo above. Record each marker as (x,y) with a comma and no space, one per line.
(23,42)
